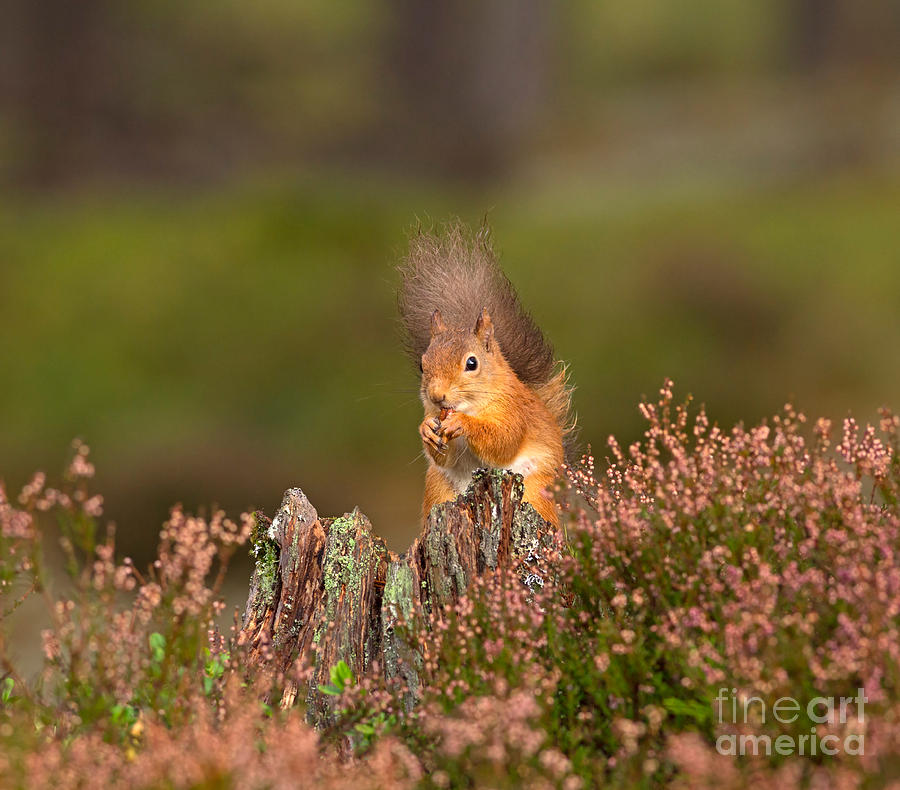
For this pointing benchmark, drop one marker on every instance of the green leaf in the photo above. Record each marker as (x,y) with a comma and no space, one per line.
(123,715)
(6,693)
(216,667)
(691,709)
(365,729)
(157,646)
(331,690)
(344,673)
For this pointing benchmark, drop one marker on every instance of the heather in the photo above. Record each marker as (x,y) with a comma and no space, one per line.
(759,560)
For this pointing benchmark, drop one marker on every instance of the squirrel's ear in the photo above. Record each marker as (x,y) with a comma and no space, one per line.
(437,323)
(484,328)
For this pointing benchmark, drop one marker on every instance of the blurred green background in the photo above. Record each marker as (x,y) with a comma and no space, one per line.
(202,202)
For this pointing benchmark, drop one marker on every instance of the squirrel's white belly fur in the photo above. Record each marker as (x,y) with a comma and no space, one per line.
(465,462)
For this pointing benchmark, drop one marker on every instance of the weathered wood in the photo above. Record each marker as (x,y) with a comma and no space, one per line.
(332,587)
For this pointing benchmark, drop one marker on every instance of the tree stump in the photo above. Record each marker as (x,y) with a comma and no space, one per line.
(331,583)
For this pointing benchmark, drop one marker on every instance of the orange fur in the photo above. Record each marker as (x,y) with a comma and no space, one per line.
(437,490)
(490,419)
(512,409)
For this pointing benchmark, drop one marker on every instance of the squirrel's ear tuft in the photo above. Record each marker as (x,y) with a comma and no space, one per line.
(437,323)
(484,328)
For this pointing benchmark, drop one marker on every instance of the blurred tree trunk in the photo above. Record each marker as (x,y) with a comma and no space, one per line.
(467,79)
(63,72)
(812,32)
(834,33)
(330,586)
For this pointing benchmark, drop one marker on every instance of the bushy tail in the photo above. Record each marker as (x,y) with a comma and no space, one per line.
(457,273)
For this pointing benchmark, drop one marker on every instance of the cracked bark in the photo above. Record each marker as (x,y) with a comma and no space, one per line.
(331,583)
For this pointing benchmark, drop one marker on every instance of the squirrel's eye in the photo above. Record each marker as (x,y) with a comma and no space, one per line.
(471,363)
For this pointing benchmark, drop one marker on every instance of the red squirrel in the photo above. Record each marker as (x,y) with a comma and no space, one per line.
(494,395)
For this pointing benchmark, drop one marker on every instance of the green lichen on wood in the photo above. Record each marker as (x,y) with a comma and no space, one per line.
(347,563)
(401,660)
(340,566)
(258,531)
(534,544)
(447,580)
(267,572)
(343,569)
(265,553)
(528,531)
(398,591)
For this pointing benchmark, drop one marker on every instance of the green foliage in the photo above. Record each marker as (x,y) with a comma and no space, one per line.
(124,717)
(6,690)
(360,719)
(157,647)
(214,669)
(341,678)
(373,726)
(692,711)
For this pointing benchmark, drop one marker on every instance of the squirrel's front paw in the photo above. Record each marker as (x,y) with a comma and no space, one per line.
(452,426)
(434,443)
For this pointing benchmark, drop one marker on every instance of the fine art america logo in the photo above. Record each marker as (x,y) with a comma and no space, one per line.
(844,714)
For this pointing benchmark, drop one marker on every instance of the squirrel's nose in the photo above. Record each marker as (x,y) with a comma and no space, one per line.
(435,396)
